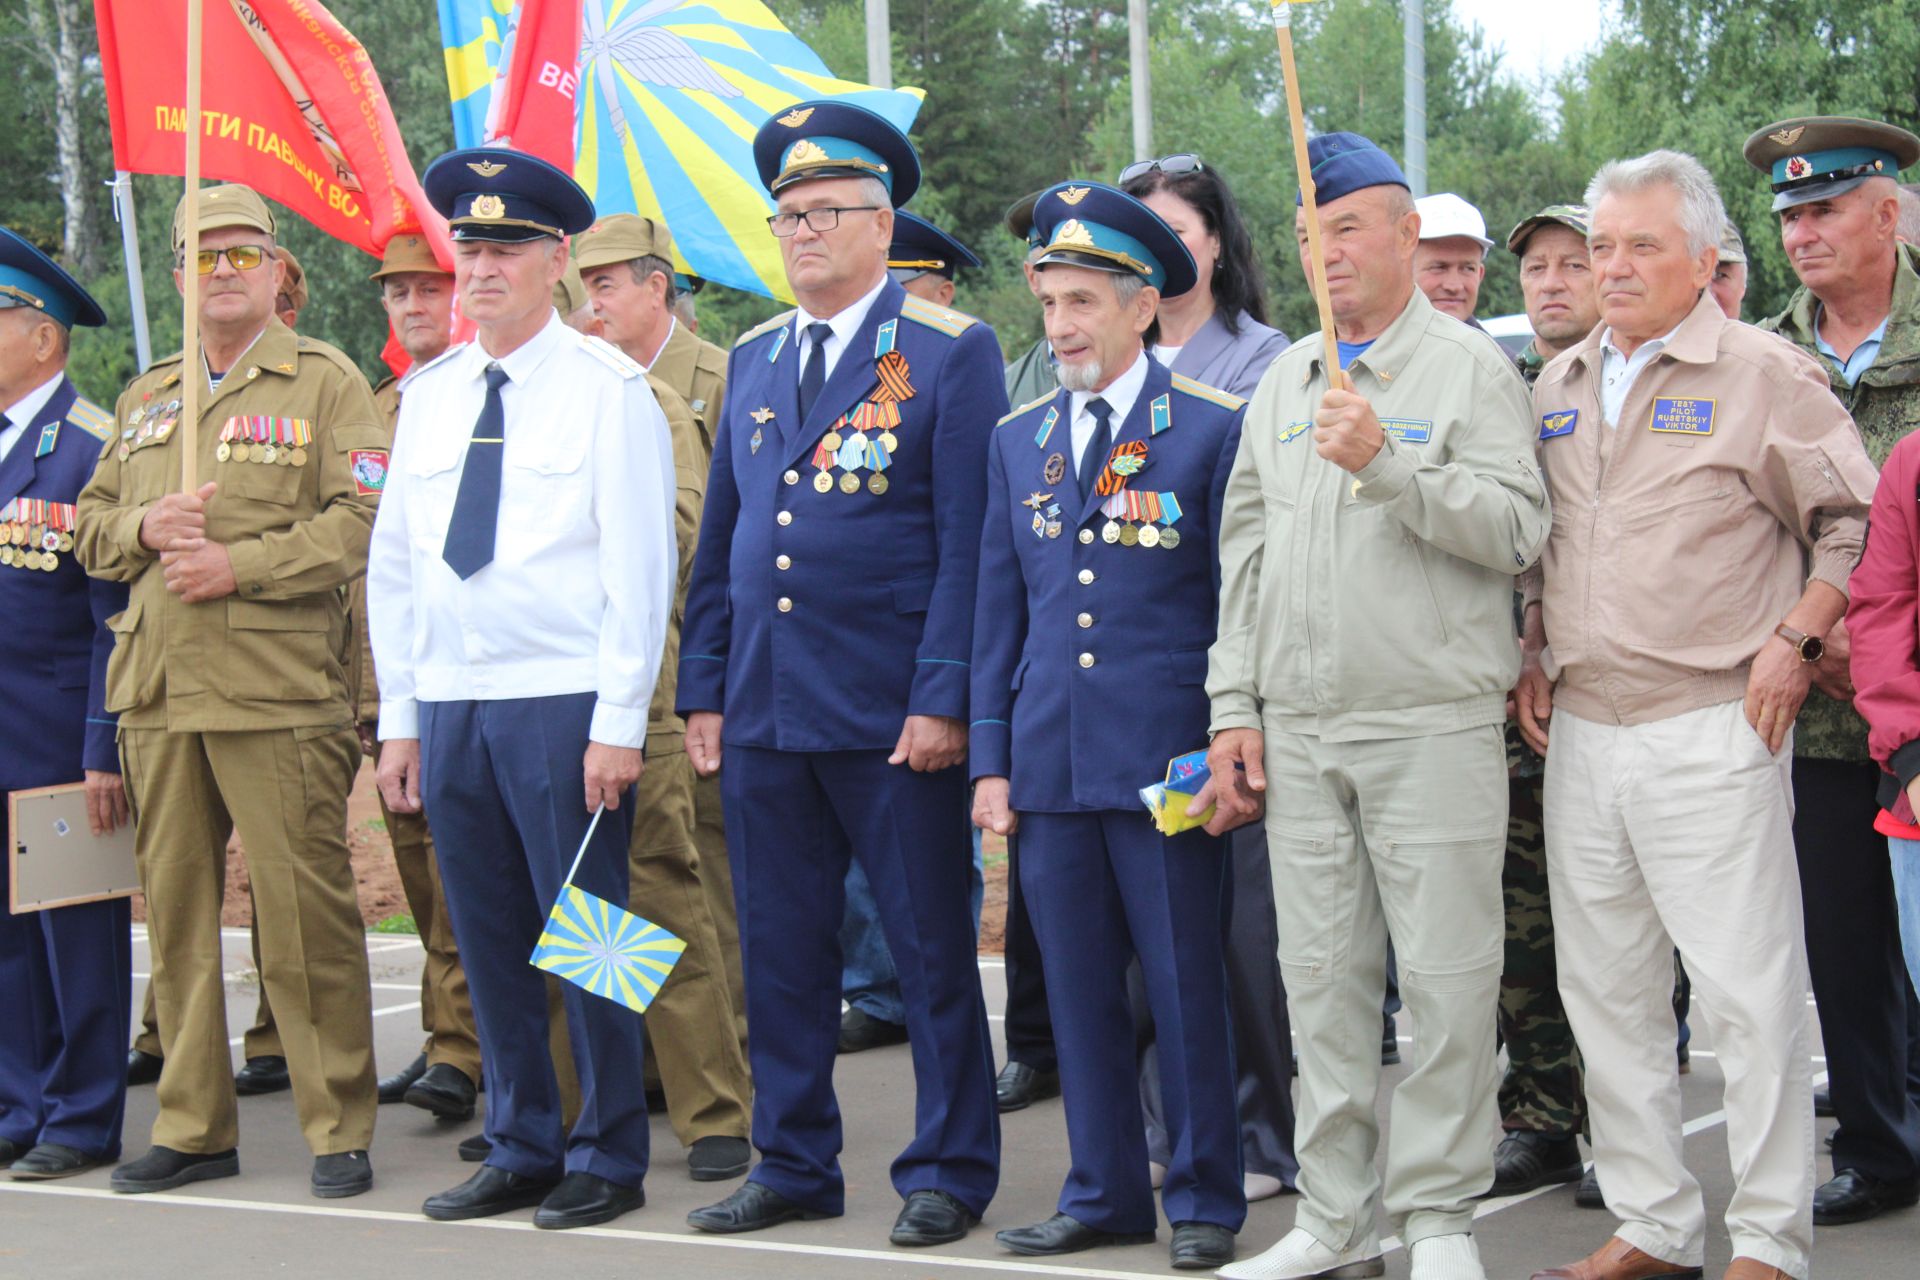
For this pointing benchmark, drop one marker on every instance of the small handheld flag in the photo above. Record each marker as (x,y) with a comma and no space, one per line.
(602,948)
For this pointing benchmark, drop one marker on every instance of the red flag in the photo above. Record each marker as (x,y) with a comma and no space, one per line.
(292,107)
(534,110)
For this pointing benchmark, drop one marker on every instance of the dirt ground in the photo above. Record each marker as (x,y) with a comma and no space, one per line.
(379,884)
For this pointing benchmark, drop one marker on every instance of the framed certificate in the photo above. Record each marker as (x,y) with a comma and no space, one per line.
(53,857)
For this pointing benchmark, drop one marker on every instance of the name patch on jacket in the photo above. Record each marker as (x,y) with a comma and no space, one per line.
(1407,430)
(1554,425)
(1680,415)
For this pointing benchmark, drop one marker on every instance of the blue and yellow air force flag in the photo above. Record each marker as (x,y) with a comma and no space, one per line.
(602,948)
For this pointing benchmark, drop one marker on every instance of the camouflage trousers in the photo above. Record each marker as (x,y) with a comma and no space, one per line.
(1542,1090)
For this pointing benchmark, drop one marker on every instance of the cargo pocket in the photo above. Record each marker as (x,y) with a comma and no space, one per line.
(133,679)
(278,651)
(1309,870)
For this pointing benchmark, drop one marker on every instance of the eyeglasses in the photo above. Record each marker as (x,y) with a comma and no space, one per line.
(818,220)
(1172,166)
(241,257)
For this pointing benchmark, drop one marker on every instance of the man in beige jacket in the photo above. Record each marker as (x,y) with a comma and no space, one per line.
(1709,500)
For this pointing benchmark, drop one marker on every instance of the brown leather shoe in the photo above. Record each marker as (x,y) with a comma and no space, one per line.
(1618,1260)
(1749,1269)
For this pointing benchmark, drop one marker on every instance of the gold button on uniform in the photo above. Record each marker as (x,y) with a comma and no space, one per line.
(1086,576)
(1086,619)
(783,562)
(1086,536)
(785,605)
(792,477)
(785,517)
(1086,659)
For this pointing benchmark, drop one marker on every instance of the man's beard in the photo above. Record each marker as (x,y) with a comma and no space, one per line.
(1084,376)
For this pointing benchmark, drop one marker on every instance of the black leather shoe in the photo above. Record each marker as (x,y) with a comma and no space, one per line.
(1200,1246)
(488,1192)
(1061,1234)
(445,1091)
(343,1174)
(1389,1042)
(143,1068)
(1850,1196)
(10,1151)
(753,1207)
(475,1149)
(1019,1086)
(583,1200)
(860,1031)
(1587,1194)
(50,1160)
(163,1169)
(266,1074)
(1525,1160)
(718,1158)
(1823,1104)
(931,1217)
(394,1088)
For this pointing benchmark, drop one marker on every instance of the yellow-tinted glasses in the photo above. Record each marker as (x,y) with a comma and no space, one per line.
(241,257)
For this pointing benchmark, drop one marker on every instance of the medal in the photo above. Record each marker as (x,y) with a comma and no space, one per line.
(1129,536)
(66,542)
(267,455)
(888,441)
(241,451)
(6,555)
(125,450)
(1110,531)
(1053,528)
(1056,469)
(285,458)
(832,441)
(49,561)
(1149,535)
(849,483)
(1170,538)
(823,482)
(224,452)
(877,483)
(299,456)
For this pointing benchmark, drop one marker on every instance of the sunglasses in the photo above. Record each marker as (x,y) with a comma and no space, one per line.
(241,257)
(1173,166)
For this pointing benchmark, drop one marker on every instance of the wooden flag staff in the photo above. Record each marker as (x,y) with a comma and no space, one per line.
(193,368)
(1309,202)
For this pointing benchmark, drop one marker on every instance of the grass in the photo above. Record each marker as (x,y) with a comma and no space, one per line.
(402,923)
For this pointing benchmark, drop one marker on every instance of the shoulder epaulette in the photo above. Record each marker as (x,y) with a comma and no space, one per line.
(611,356)
(709,357)
(765,327)
(1200,390)
(442,358)
(940,319)
(1029,405)
(90,418)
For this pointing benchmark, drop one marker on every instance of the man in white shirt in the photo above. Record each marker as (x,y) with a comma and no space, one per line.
(519,596)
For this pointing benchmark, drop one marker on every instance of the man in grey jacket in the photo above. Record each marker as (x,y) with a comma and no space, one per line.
(1373,525)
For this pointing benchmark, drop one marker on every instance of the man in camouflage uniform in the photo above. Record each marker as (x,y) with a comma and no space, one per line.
(1858,314)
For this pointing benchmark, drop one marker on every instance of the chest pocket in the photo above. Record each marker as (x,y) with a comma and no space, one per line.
(264,481)
(543,478)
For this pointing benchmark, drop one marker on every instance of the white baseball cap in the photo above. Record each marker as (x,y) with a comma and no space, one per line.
(1446,215)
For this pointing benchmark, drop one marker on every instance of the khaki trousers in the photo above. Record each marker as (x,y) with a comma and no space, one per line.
(1680,832)
(1402,837)
(285,792)
(716,877)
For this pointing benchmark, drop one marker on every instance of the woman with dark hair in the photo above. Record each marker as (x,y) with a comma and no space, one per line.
(1216,333)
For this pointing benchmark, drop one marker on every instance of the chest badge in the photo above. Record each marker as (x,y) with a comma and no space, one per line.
(762,416)
(1555,425)
(753,441)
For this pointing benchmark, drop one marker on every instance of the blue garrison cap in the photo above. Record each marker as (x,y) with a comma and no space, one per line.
(1819,157)
(920,246)
(1090,224)
(831,139)
(1344,163)
(492,193)
(29,278)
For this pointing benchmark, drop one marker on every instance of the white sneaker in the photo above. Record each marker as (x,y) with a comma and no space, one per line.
(1156,1174)
(1454,1257)
(1261,1186)
(1299,1256)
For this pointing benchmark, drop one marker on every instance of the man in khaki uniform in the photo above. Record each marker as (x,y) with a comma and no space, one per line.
(233,701)
(627,265)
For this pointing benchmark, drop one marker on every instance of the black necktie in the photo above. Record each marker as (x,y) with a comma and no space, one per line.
(1095,455)
(813,375)
(476,507)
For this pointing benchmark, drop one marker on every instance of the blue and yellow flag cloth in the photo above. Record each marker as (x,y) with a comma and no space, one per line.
(608,951)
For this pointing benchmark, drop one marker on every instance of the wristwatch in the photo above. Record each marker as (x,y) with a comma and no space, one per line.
(1810,648)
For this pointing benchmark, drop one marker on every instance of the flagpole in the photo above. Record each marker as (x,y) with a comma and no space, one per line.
(585,840)
(1309,202)
(130,250)
(194,370)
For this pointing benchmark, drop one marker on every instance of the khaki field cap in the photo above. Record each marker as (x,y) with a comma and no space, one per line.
(621,237)
(295,283)
(231,205)
(1574,217)
(1732,248)
(569,292)
(408,253)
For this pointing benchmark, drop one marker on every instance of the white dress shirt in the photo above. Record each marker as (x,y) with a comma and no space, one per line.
(1618,370)
(844,326)
(580,589)
(1120,394)
(25,410)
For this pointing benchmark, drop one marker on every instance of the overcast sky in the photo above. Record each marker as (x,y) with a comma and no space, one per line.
(1539,35)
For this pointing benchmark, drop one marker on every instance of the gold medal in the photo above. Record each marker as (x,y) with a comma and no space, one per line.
(31,559)
(832,441)
(849,483)
(1149,535)
(1170,538)
(268,455)
(49,561)
(66,542)
(877,483)
(888,442)
(285,458)
(241,452)
(1129,536)
(1110,532)
(6,555)
(224,452)
(823,483)
(298,456)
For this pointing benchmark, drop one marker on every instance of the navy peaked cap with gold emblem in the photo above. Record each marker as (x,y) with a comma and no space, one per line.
(919,246)
(491,193)
(1090,224)
(1813,158)
(29,278)
(1343,163)
(830,139)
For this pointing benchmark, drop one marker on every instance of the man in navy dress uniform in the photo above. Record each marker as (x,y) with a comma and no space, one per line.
(64,972)
(824,661)
(1097,584)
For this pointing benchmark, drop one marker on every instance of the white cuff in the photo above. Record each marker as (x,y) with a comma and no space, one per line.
(615,726)
(399,719)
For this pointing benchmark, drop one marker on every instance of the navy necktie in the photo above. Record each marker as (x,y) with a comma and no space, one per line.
(476,507)
(1095,455)
(813,375)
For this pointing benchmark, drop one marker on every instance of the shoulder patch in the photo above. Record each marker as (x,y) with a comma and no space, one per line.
(940,319)
(1027,407)
(611,356)
(764,328)
(90,418)
(1201,391)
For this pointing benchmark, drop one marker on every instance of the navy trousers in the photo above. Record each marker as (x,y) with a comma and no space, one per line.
(503,784)
(1102,888)
(795,820)
(65,983)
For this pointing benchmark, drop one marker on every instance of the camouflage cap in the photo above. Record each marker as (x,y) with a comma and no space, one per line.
(295,283)
(621,237)
(405,254)
(569,292)
(231,205)
(1732,248)
(1573,216)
